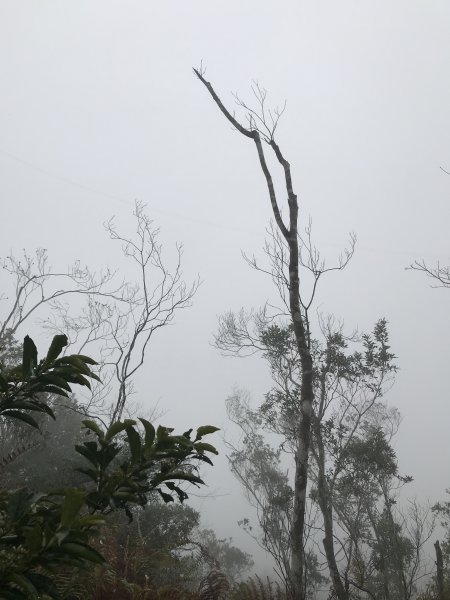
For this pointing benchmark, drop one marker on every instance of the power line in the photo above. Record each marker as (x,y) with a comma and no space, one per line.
(203,222)
(116,198)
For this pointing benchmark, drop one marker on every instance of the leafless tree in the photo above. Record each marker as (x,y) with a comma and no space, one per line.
(285,248)
(36,285)
(118,317)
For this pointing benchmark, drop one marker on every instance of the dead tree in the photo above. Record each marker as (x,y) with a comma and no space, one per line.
(118,318)
(261,129)
(159,293)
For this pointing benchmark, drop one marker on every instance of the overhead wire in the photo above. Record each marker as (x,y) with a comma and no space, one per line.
(203,222)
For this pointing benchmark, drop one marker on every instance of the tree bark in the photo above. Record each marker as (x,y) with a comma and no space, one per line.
(301,331)
(326,508)
(439,571)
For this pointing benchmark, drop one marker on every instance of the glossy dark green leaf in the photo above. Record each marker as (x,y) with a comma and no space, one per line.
(163,432)
(74,361)
(205,430)
(87,359)
(56,347)
(80,380)
(181,476)
(93,426)
(3,384)
(51,379)
(82,551)
(166,497)
(88,452)
(107,454)
(94,376)
(29,356)
(20,416)
(134,441)
(149,434)
(118,427)
(72,376)
(205,447)
(52,389)
(203,458)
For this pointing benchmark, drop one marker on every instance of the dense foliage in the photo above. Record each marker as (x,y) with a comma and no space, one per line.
(42,532)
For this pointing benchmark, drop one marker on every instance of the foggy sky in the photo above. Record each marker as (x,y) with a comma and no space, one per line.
(99,107)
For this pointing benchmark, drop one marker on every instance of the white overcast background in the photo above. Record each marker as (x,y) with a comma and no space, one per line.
(99,107)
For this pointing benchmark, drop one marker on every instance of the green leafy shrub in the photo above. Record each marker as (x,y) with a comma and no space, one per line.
(41,533)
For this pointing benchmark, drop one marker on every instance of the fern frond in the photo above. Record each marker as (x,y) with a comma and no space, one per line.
(257,589)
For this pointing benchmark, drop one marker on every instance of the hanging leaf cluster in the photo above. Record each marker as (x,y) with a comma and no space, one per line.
(23,388)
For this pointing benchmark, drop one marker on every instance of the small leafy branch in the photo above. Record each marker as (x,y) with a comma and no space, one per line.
(154,459)
(23,388)
(42,533)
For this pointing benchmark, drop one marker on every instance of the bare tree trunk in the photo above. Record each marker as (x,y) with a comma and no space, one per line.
(439,570)
(326,507)
(383,566)
(299,321)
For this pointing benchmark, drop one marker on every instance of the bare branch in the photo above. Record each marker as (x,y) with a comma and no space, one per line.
(254,134)
(118,318)
(439,274)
